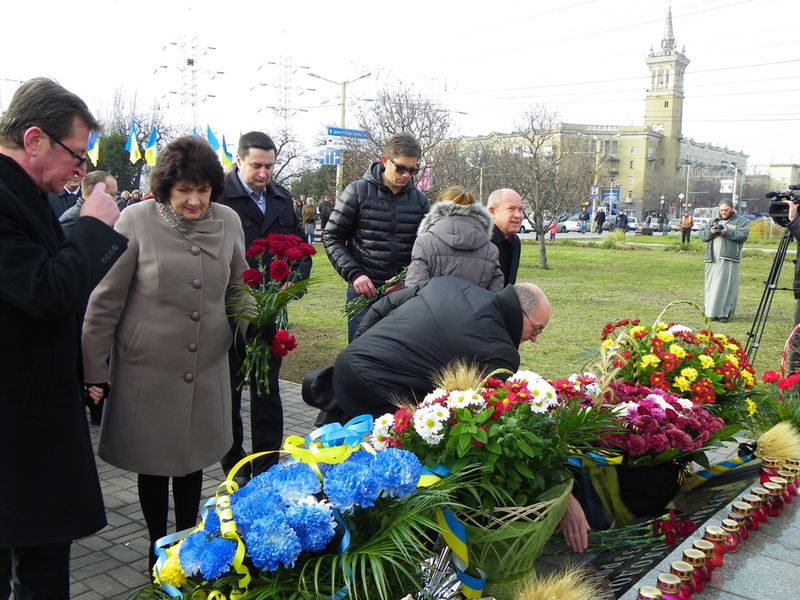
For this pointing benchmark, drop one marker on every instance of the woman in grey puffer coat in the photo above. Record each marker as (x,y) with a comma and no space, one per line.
(453,239)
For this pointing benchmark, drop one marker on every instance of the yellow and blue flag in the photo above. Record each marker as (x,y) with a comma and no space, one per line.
(227,157)
(150,150)
(94,147)
(212,139)
(132,146)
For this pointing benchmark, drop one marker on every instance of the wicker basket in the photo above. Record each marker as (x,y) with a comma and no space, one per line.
(506,542)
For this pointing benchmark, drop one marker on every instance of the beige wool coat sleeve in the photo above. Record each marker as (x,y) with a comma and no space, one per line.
(160,314)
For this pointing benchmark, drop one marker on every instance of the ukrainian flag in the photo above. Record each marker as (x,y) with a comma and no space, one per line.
(132,146)
(150,150)
(227,157)
(212,139)
(94,148)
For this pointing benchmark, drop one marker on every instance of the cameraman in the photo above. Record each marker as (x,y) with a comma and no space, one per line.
(794,228)
(725,236)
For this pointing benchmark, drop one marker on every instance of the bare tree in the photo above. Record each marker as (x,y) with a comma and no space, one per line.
(547,167)
(291,160)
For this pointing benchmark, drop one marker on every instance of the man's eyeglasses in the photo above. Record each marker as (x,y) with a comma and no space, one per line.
(402,169)
(82,160)
(535,329)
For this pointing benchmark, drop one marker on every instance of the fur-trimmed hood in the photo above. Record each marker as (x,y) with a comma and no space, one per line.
(460,227)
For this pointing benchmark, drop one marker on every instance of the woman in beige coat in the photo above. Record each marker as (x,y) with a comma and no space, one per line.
(160,314)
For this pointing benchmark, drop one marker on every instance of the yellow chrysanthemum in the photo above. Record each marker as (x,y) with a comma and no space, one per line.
(171,572)
(732,359)
(702,338)
(665,336)
(721,337)
(649,360)
(689,373)
(677,351)
(748,378)
(706,361)
(752,409)
(637,329)
(682,383)
(607,345)
(731,347)
(660,326)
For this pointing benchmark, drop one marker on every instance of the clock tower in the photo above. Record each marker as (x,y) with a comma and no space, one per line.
(664,104)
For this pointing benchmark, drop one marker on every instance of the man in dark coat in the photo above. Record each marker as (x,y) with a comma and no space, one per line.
(264,207)
(51,494)
(67,197)
(374,223)
(411,334)
(505,206)
(599,220)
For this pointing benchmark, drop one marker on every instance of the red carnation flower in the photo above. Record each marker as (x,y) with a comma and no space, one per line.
(279,270)
(771,376)
(255,250)
(283,343)
(252,277)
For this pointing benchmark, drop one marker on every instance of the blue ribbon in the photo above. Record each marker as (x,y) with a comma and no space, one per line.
(160,549)
(334,434)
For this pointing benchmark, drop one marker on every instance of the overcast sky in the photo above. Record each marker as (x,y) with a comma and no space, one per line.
(491,60)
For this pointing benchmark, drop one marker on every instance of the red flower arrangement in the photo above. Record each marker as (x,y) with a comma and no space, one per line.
(270,286)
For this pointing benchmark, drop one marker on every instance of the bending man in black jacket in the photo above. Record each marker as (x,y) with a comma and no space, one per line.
(264,207)
(410,335)
(374,223)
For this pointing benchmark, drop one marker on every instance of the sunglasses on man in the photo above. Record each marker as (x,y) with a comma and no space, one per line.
(402,169)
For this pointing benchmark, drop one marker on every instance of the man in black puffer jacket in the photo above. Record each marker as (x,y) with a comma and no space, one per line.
(374,223)
(412,334)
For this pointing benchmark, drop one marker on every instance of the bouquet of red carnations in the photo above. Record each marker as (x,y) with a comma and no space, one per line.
(269,288)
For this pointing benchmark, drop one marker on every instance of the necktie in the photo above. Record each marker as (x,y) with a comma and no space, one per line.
(259,201)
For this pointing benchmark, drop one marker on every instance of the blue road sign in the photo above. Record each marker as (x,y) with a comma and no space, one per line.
(611,194)
(356,134)
(330,157)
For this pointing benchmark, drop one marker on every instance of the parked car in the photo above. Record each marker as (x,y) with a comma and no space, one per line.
(633,224)
(570,223)
(527,225)
(674,224)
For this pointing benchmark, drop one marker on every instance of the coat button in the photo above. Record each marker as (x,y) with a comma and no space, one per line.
(188,378)
(192,347)
(197,283)
(195,316)
(195,251)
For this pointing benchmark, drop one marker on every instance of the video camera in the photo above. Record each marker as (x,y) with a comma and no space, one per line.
(779,210)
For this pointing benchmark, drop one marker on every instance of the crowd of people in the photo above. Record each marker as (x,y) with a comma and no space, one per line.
(124,305)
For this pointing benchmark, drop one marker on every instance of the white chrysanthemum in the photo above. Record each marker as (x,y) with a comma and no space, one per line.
(384,422)
(543,395)
(428,423)
(526,377)
(659,400)
(586,382)
(379,441)
(465,399)
(440,412)
(434,395)
(686,405)
(679,329)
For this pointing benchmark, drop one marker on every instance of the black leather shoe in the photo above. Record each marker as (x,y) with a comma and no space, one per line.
(723,319)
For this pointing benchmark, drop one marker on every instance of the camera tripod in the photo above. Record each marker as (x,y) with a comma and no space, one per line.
(770,285)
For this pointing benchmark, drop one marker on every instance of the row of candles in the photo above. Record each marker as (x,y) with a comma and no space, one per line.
(779,483)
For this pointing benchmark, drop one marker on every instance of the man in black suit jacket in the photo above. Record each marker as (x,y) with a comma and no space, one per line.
(45,281)
(264,207)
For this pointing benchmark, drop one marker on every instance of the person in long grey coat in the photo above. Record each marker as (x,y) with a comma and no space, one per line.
(161,315)
(453,239)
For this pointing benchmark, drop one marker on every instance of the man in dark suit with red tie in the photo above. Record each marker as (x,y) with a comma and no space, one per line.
(264,207)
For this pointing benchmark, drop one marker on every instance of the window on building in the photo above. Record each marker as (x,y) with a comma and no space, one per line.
(630,165)
(661,162)
(666,103)
(630,194)
(633,149)
(631,180)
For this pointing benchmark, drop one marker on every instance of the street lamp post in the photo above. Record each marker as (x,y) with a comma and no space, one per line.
(342,117)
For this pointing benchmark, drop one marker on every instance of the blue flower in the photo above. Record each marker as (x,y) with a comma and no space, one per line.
(271,543)
(294,481)
(313,523)
(216,556)
(397,471)
(351,484)
(255,505)
(191,552)
(362,457)
(211,524)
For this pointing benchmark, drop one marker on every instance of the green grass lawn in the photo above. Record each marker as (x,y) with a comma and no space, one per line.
(588,286)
